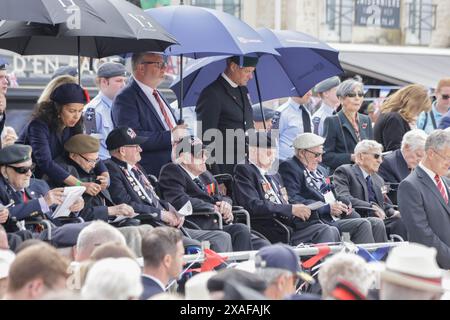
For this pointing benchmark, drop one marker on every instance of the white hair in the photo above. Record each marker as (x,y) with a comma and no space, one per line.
(113,279)
(95,234)
(415,139)
(438,140)
(367,145)
(348,267)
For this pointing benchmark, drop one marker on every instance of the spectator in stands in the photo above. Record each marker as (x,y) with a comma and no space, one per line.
(111,78)
(258,120)
(52,124)
(433,119)
(6,259)
(36,271)
(423,198)
(397,165)
(411,273)
(162,250)
(399,114)
(346,268)
(8,136)
(329,102)
(113,279)
(364,188)
(3,78)
(348,127)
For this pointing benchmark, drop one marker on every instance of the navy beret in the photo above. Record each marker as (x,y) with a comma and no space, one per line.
(243,61)
(257,116)
(123,136)
(15,153)
(111,69)
(68,93)
(65,70)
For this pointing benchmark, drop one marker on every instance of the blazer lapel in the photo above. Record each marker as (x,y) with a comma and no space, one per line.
(346,125)
(430,184)
(310,186)
(147,102)
(229,91)
(359,175)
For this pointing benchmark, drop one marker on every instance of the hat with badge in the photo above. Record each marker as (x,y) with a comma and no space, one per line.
(123,136)
(111,69)
(244,61)
(15,153)
(257,115)
(327,84)
(68,93)
(82,143)
(261,139)
(308,140)
(65,71)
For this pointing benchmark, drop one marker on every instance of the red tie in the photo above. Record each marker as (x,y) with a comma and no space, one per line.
(24,197)
(163,109)
(440,186)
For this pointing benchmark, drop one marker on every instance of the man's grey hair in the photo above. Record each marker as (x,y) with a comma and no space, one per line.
(271,274)
(348,267)
(368,145)
(348,86)
(415,139)
(438,140)
(95,234)
(113,279)
(392,291)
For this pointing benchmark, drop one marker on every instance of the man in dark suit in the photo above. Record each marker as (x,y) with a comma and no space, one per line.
(423,198)
(130,185)
(263,194)
(162,250)
(188,180)
(306,184)
(225,105)
(364,188)
(140,106)
(397,165)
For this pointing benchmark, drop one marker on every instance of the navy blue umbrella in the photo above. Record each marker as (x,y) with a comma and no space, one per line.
(303,62)
(203,32)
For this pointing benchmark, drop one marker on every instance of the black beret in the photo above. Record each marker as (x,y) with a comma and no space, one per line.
(65,70)
(257,116)
(123,136)
(15,153)
(261,139)
(111,69)
(243,61)
(69,93)
(82,143)
(247,279)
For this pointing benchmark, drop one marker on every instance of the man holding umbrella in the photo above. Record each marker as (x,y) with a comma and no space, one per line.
(225,104)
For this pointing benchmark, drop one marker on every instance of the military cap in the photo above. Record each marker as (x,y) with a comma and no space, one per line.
(15,153)
(308,140)
(257,116)
(65,70)
(261,139)
(327,84)
(123,136)
(68,93)
(82,143)
(243,61)
(111,69)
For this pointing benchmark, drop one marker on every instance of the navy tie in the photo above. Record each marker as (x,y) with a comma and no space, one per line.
(370,189)
(199,184)
(305,119)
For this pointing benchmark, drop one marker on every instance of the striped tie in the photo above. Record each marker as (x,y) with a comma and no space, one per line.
(440,186)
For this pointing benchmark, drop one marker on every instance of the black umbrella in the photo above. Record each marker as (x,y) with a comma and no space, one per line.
(123,28)
(43,11)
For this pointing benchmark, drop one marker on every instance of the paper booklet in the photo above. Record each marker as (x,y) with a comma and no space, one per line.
(186,210)
(71,195)
(316,205)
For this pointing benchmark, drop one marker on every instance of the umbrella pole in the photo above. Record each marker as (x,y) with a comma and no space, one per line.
(79,65)
(260,100)
(180,101)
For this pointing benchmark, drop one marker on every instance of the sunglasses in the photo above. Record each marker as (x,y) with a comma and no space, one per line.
(354,94)
(375,155)
(23,170)
(445,96)
(316,154)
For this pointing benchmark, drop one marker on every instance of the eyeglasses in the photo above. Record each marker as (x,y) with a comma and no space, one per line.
(161,65)
(23,170)
(354,94)
(375,155)
(445,96)
(440,155)
(316,154)
(90,161)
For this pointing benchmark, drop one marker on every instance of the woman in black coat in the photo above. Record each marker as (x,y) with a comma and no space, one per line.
(399,114)
(345,129)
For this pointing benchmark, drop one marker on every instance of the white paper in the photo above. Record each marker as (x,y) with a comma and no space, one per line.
(316,205)
(186,210)
(120,218)
(71,195)
(329,197)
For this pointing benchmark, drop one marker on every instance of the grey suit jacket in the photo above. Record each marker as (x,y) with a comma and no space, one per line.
(425,214)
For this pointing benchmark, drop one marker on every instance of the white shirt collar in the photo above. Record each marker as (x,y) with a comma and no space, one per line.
(291,102)
(429,172)
(156,280)
(231,82)
(188,172)
(144,87)
(365,174)
(262,171)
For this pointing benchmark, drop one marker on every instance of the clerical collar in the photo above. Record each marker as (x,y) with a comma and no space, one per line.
(230,82)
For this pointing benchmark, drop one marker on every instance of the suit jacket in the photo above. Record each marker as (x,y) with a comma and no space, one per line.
(133,109)
(122,191)
(222,107)
(177,187)
(350,185)
(151,288)
(393,170)
(341,139)
(425,213)
(390,129)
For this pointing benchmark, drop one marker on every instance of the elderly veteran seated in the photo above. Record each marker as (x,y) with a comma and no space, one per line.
(305,183)
(398,164)
(81,158)
(411,273)
(263,195)
(187,179)
(31,197)
(258,119)
(360,184)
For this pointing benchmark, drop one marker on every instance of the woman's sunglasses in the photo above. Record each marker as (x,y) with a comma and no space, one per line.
(23,170)
(354,94)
